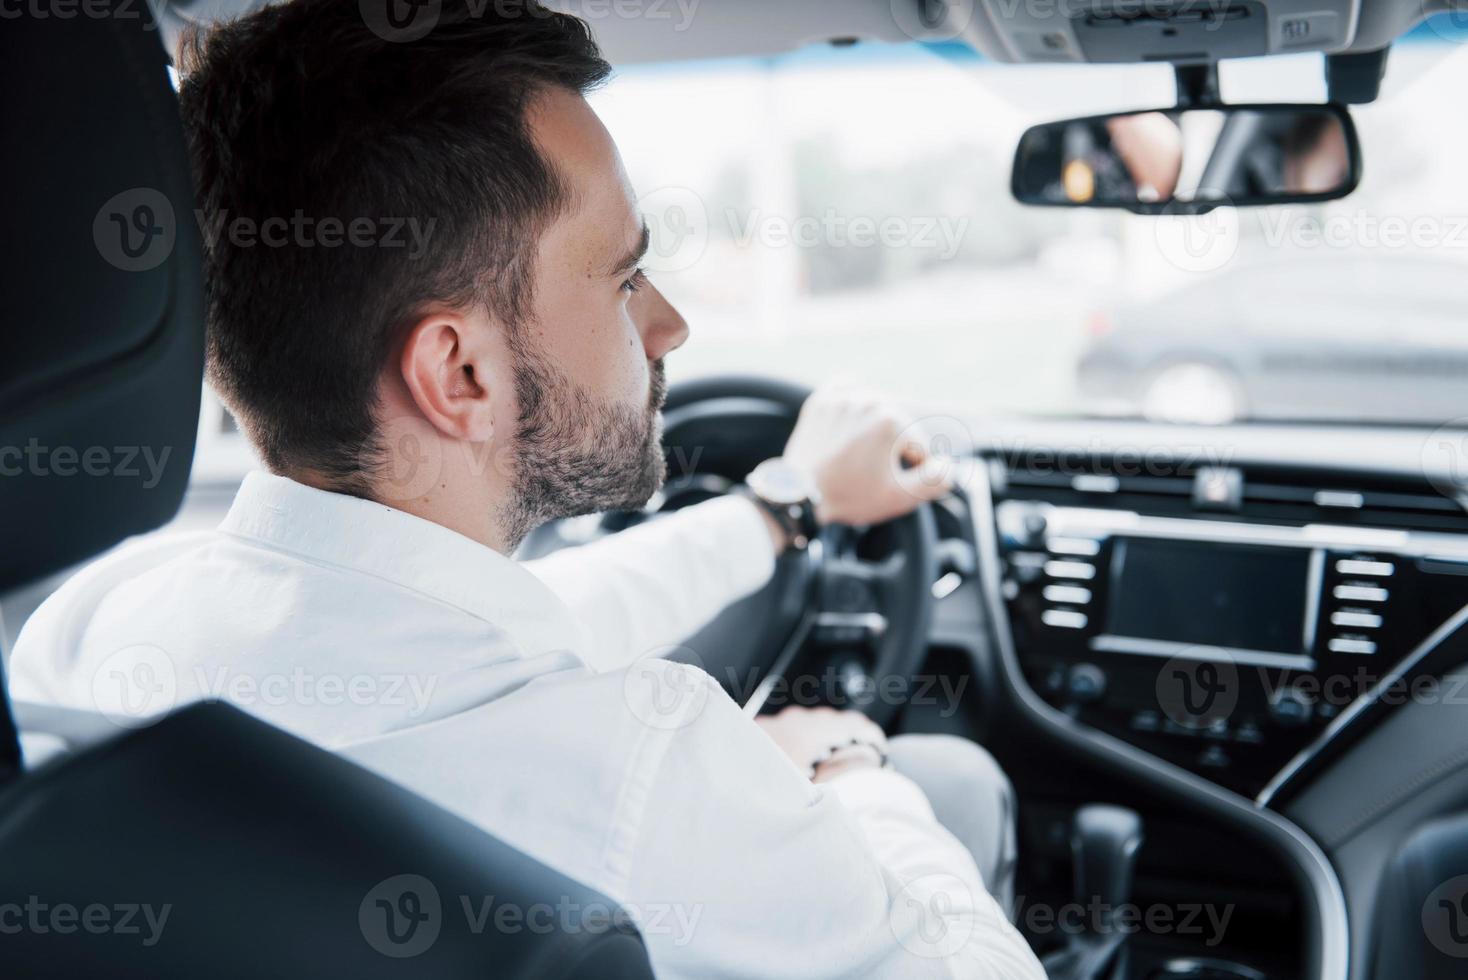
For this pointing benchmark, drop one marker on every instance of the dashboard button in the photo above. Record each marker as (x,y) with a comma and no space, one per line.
(1340,644)
(1074,594)
(1080,547)
(1064,619)
(1361,619)
(1070,569)
(1362,566)
(1361,593)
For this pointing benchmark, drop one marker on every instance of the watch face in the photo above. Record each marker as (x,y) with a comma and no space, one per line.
(780,483)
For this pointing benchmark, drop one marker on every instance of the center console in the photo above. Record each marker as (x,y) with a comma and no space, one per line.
(1220,617)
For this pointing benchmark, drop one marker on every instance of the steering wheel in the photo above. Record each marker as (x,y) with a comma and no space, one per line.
(842,623)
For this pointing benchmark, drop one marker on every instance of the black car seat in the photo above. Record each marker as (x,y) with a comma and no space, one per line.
(207,844)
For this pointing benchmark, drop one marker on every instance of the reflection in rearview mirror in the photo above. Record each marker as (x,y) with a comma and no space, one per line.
(1190,159)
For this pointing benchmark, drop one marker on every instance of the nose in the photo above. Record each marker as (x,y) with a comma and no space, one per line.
(663,327)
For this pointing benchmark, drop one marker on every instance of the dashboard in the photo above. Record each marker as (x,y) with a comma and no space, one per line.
(1220,617)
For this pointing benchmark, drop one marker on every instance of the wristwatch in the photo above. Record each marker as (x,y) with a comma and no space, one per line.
(789,496)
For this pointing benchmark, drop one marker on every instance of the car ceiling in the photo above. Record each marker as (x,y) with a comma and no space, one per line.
(1056,31)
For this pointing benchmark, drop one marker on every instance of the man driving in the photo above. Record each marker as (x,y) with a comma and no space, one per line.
(418,416)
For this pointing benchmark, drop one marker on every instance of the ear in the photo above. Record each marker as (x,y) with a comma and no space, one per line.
(444,365)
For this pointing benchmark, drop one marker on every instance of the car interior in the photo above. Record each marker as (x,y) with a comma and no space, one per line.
(1220,653)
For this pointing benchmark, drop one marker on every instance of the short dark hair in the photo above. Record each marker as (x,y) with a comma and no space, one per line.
(307,111)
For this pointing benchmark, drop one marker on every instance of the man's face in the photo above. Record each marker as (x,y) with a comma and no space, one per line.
(588,361)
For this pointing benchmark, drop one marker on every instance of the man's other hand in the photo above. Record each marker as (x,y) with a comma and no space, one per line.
(809,734)
(865,457)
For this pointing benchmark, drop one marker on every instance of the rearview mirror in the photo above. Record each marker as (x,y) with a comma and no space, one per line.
(1190,161)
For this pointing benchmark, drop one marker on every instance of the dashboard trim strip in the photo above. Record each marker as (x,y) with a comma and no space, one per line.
(1314,585)
(1080,521)
(1330,929)
(1107,643)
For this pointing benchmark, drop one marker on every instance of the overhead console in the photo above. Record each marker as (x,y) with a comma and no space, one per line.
(1169,30)
(1218,617)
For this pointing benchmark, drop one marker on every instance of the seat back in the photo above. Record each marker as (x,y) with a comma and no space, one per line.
(211,844)
(101,347)
(207,844)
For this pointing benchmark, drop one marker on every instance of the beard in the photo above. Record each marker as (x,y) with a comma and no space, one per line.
(576,453)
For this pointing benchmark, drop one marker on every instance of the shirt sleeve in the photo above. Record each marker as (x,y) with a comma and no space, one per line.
(773,877)
(654,585)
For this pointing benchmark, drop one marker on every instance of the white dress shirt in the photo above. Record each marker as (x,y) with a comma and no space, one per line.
(502,691)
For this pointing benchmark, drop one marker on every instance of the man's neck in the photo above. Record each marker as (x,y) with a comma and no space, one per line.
(440,505)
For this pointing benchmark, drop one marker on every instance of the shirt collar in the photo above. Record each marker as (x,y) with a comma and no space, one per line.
(374,539)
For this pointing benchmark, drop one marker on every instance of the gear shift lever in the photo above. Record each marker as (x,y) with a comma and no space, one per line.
(1104,842)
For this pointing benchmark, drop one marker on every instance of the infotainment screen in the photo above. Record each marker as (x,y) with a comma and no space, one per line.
(1223,595)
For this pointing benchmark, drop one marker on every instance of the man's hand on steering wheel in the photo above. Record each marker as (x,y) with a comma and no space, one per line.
(864,456)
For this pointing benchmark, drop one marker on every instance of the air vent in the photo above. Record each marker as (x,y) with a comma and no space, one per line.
(1263,494)
(1374,501)
(1085,480)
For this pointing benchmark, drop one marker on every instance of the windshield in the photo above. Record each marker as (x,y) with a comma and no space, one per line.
(845,212)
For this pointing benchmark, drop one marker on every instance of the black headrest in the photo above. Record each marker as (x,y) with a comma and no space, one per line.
(101,314)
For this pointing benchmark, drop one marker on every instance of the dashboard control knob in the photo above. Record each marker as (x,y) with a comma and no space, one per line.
(1021,526)
(1291,707)
(1214,757)
(1086,683)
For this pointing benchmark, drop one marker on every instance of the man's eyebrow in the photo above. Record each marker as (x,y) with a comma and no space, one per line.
(633,256)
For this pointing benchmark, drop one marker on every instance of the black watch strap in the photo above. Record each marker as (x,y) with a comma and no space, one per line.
(797,520)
